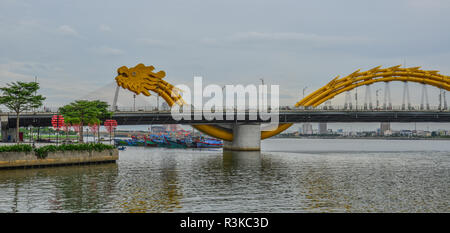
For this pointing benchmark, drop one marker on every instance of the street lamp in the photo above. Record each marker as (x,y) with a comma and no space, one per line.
(157,103)
(134,102)
(304,91)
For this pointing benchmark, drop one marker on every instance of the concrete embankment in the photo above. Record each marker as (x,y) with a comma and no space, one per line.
(60,158)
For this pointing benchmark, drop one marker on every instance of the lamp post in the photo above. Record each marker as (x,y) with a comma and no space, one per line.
(157,103)
(134,102)
(303,91)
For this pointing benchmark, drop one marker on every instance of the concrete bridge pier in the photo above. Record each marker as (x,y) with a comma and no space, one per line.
(246,137)
(8,134)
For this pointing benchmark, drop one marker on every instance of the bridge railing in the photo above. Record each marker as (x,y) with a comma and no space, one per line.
(362,108)
(40,110)
(292,108)
(321,108)
(340,108)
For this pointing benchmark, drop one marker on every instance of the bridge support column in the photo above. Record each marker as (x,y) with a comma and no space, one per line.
(246,137)
(8,134)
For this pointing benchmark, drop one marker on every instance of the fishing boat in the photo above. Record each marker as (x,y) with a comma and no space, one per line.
(209,143)
(159,142)
(174,143)
(168,141)
(149,142)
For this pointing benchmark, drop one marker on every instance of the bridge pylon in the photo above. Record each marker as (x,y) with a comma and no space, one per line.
(246,137)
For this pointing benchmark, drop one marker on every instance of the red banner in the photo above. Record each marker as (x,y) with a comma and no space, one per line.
(57,121)
(110,125)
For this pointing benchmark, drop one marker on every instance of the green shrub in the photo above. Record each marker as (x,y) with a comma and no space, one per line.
(42,152)
(16,148)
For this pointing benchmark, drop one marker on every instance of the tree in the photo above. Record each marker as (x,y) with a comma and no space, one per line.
(19,97)
(85,112)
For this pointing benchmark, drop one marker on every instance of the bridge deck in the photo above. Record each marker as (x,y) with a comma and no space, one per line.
(285,116)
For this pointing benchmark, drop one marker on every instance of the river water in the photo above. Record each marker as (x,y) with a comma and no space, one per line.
(288,175)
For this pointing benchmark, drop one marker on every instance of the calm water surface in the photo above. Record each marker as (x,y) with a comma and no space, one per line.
(289,175)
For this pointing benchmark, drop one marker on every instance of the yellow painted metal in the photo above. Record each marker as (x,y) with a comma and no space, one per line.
(142,79)
(215,132)
(281,128)
(357,78)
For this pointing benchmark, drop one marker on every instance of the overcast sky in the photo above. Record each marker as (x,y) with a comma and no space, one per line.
(75,47)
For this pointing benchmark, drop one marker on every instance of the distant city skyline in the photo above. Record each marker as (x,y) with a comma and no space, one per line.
(357,127)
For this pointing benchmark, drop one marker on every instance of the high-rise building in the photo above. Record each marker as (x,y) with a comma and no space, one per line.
(323,128)
(384,126)
(307,128)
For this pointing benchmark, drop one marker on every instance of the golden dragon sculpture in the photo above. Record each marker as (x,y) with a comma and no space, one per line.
(142,79)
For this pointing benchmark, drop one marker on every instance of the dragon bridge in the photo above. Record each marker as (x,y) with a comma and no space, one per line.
(142,79)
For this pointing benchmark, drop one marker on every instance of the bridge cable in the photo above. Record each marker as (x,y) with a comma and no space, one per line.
(424,104)
(445,101)
(368,98)
(348,101)
(116,96)
(442,100)
(387,105)
(406,97)
(328,105)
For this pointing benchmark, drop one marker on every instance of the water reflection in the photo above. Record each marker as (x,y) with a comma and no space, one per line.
(176,180)
(272,179)
(320,190)
(153,191)
(86,189)
(233,181)
(61,189)
(234,160)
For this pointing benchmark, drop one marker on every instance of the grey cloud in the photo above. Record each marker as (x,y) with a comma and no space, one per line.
(152,42)
(104,28)
(68,31)
(287,42)
(286,38)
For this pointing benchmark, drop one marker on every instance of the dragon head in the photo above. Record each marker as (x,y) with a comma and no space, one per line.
(142,79)
(139,79)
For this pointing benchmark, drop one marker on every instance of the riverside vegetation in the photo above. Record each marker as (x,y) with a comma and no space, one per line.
(43,151)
